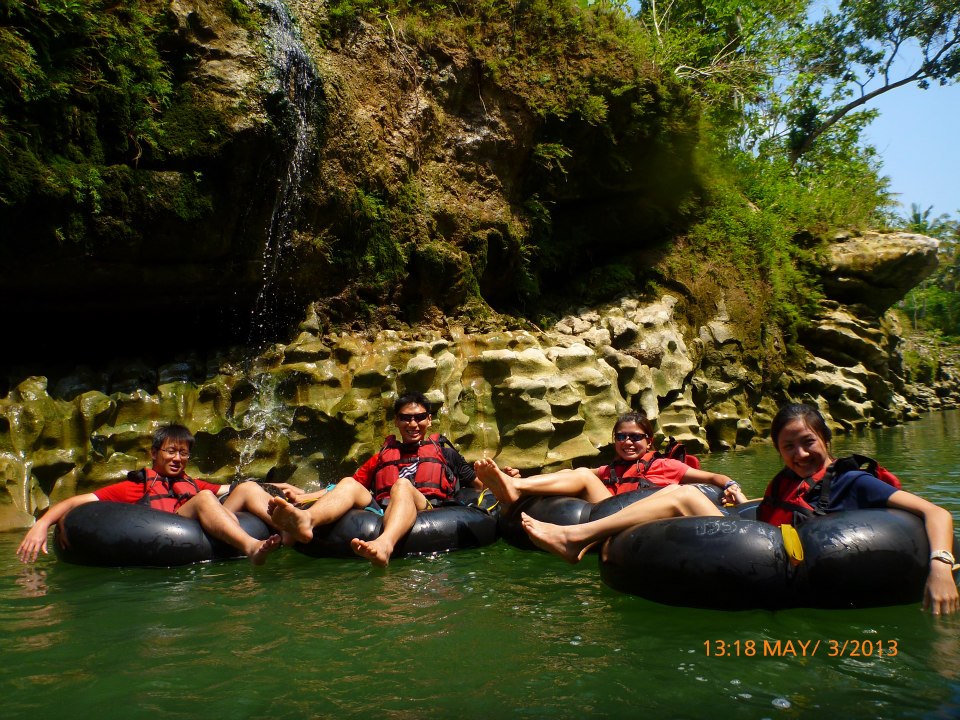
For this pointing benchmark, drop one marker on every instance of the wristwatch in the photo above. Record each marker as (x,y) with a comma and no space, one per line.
(944,556)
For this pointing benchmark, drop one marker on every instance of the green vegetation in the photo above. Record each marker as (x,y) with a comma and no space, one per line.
(711,145)
(90,93)
(934,305)
(83,86)
(762,102)
(921,365)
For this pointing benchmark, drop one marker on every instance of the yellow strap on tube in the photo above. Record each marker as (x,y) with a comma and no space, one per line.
(791,543)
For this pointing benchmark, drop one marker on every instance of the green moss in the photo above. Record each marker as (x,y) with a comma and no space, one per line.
(239,12)
(444,273)
(371,250)
(921,366)
(87,95)
(192,126)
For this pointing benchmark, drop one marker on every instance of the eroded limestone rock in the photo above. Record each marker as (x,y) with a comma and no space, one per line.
(877,269)
(312,411)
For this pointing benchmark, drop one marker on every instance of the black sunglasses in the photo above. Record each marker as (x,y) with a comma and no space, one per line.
(417,417)
(635,437)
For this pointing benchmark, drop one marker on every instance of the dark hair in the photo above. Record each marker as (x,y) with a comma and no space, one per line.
(807,414)
(175,434)
(638,418)
(410,398)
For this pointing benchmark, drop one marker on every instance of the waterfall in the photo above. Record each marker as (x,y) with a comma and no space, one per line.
(265,421)
(296,85)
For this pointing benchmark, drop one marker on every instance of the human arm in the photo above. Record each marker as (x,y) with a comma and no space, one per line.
(35,541)
(462,470)
(693,475)
(940,594)
(291,492)
(732,493)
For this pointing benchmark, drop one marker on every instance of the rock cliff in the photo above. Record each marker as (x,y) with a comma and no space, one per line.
(313,409)
(389,196)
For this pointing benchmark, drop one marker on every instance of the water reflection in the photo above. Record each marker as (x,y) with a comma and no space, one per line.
(945,648)
(32,581)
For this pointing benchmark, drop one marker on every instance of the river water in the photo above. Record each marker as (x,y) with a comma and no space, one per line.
(491,633)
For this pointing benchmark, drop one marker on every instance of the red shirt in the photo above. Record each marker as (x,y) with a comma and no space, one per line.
(131,491)
(662,471)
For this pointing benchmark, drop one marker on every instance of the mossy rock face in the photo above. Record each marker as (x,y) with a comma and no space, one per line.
(315,409)
(176,220)
(418,187)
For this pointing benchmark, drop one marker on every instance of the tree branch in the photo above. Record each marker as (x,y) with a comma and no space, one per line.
(923,73)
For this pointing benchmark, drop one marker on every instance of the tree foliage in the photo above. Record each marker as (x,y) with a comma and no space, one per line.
(82,81)
(860,50)
(935,303)
(787,72)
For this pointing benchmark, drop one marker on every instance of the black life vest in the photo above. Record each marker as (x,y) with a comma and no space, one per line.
(161,492)
(621,470)
(791,499)
(433,476)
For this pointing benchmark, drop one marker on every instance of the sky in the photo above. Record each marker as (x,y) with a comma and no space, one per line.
(918,137)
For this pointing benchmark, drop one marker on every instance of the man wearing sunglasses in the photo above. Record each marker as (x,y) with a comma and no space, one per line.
(411,473)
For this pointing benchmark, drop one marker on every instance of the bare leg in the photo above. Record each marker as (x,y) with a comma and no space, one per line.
(297,524)
(571,542)
(252,498)
(579,482)
(222,524)
(401,514)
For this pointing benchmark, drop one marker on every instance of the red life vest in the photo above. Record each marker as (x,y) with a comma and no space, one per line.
(161,492)
(621,470)
(433,476)
(678,451)
(787,500)
(626,476)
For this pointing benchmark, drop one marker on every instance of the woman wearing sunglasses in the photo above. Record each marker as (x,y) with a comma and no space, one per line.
(637,466)
(811,483)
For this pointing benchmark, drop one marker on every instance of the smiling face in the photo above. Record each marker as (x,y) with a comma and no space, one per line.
(413,420)
(803,451)
(632,446)
(171,459)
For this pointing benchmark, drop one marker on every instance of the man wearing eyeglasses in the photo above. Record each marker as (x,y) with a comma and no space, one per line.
(410,474)
(165,486)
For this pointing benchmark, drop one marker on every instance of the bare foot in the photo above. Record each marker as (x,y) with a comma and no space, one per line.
(295,524)
(259,556)
(500,484)
(374,551)
(555,539)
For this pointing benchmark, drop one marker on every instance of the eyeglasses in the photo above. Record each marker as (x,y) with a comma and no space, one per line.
(416,417)
(633,437)
(173,452)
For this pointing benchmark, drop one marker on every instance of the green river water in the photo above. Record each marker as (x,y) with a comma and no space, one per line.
(492,633)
